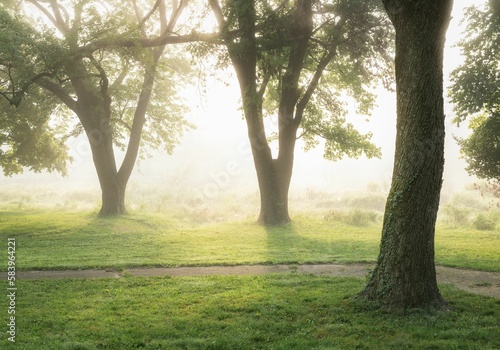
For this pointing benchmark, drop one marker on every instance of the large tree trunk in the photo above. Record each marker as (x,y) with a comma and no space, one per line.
(95,115)
(273,175)
(274,185)
(112,188)
(405,275)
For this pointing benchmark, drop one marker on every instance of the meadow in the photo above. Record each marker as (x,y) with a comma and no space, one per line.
(75,240)
(280,311)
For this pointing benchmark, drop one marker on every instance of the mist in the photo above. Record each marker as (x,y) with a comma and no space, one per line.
(212,169)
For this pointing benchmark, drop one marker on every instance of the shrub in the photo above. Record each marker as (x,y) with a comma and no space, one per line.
(456,215)
(483,223)
(371,202)
(354,217)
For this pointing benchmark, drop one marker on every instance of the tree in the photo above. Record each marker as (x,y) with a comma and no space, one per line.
(405,275)
(481,149)
(27,138)
(476,83)
(108,88)
(281,52)
(475,90)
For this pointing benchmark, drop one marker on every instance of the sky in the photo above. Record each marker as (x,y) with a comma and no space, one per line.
(216,156)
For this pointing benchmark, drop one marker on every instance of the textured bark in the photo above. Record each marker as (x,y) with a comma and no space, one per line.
(112,186)
(405,275)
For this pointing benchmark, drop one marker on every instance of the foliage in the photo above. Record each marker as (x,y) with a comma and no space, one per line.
(362,58)
(355,217)
(350,50)
(475,84)
(481,149)
(483,223)
(490,188)
(458,215)
(371,201)
(476,89)
(27,138)
(57,54)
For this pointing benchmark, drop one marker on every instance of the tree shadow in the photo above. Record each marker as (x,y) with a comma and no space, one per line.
(287,244)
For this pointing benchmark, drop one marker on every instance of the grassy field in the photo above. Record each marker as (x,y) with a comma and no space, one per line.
(289,311)
(78,240)
(285,311)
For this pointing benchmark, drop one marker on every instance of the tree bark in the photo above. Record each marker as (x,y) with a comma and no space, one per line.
(112,187)
(405,275)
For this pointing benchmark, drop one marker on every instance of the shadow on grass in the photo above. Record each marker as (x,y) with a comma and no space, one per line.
(288,244)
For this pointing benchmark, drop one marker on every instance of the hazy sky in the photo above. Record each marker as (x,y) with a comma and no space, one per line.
(217,154)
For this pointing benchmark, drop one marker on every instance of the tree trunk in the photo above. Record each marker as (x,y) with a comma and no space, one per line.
(113,197)
(405,275)
(112,188)
(274,186)
(273,175)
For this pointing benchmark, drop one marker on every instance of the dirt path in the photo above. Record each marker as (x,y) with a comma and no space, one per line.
(478,282)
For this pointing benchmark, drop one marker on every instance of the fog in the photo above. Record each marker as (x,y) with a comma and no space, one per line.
(214,161)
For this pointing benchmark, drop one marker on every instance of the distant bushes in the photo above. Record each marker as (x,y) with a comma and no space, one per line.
(356,217)
(469,209)
(458,215)
(371,201)
(483,223)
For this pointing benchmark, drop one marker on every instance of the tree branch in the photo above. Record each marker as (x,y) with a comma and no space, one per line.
(163,15)
(313,84)
(56,9)
(51,17)
(219,15)
(17,96)
(263,86)
(149,14)
(78,15)
(104,85)
(45,11)
(140,19)
(57,90)
(121,77)
(123,123)
(328,56)
(298,51)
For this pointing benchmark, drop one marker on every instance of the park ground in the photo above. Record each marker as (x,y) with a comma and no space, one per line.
(233,284)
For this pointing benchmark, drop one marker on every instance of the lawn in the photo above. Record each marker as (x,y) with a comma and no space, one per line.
(280,311)
(77,240)
(285,311)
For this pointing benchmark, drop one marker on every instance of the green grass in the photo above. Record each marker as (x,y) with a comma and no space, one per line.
(284,311)
(281,311)
(76,240)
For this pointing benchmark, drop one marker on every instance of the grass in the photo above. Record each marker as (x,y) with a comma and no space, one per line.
(289,311)
(76,240)
(285,311)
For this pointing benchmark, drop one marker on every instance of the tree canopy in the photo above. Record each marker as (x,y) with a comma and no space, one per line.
(481,149)
(476,83)
(475,90)
(64,59)
(347,52)
(298,61)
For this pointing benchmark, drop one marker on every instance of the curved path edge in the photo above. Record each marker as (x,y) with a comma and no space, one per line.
(473,281)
